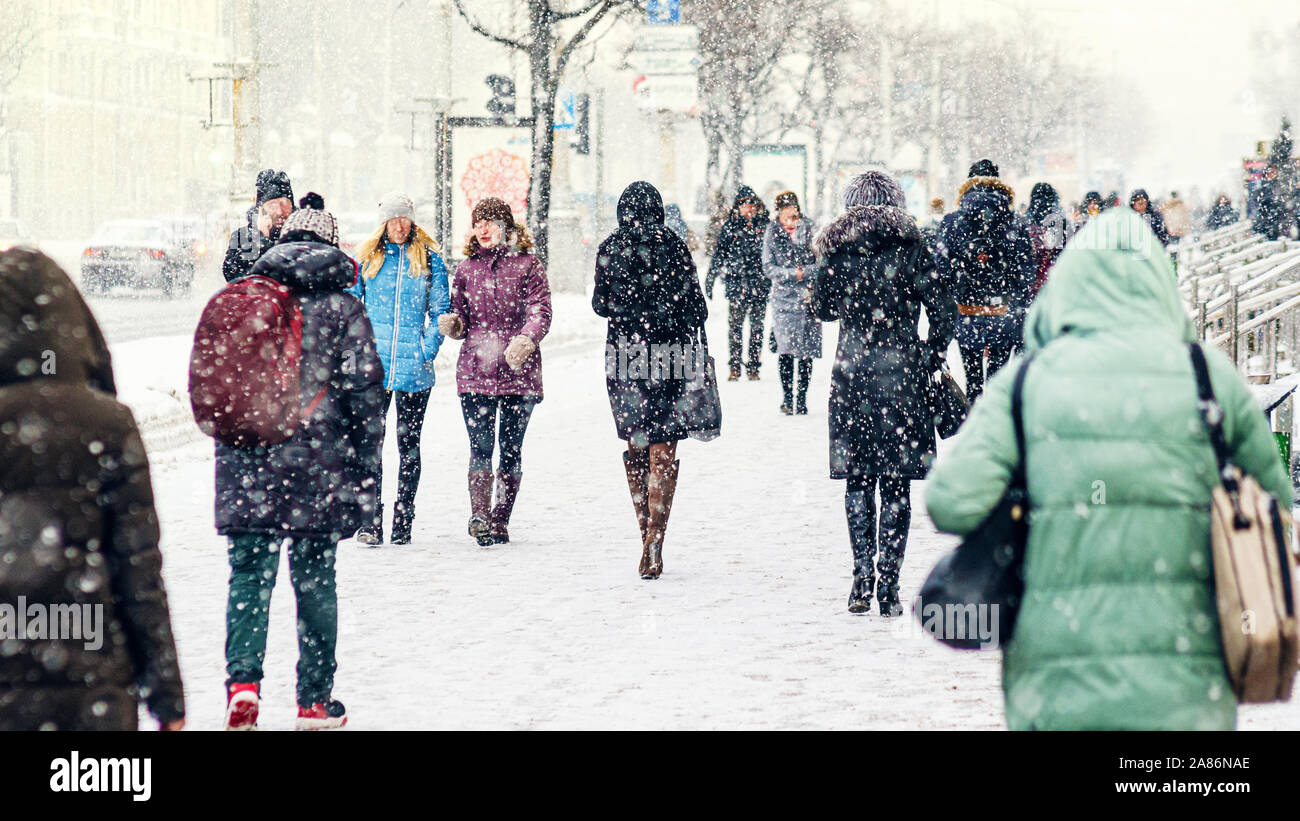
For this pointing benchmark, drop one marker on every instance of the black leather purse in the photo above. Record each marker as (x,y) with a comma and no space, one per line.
(948,403)
(982,580)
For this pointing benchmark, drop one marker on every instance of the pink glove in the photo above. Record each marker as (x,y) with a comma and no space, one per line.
(519,349)
(452,326)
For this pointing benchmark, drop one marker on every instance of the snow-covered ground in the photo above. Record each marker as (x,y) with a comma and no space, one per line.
(746,629)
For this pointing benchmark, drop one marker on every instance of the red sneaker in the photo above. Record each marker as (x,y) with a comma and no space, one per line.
(329,715)
(241,706)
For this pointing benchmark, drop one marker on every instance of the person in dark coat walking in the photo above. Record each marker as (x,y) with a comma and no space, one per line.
(1048,229)
(788,261)
(874,277)
(264,222)
(79,535)
(738,259)
(647,286)
(986,255)
(501,307)
(1222,214)
(1141,203)
(305,494)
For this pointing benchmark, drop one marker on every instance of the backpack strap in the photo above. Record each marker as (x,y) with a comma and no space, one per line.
(1211,410)
(1018,475)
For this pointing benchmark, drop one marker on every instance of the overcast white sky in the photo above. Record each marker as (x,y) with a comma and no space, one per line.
(1194,61)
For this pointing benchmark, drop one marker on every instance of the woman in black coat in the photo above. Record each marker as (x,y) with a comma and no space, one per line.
(79,530)
(647,286)
(876,273)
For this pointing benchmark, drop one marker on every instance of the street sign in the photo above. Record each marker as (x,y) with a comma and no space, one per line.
(566,109)
(663,11)
(665,62)
(677,93)
(667,38)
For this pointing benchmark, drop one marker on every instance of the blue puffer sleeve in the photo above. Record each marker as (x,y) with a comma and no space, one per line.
(439,304)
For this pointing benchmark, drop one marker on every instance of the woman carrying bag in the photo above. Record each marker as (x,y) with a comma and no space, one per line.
(1117,626)
(647,286)
(403,283)
(875,274)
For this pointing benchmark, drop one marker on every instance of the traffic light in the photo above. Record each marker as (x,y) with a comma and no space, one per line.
(502,103)
(582,125)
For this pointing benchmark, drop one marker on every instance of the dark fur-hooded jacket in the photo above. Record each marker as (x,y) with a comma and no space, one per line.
(874,274)
(79,525)
(984,250)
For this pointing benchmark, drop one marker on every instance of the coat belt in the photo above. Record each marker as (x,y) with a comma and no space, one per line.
(982,310)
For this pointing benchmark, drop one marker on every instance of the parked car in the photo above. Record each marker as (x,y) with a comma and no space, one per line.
(13,234)
(191,238)
(137,253)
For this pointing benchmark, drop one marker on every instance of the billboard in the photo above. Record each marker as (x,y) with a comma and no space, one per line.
(487,162)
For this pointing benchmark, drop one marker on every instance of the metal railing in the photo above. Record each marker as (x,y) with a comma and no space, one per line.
(1244,293)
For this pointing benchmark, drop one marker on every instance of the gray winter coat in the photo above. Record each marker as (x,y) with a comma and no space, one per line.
(798,332)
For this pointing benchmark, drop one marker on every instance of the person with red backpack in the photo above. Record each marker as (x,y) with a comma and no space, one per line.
(285,376)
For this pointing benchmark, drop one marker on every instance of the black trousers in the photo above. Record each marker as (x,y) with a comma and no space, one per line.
(737,311)
(972,360)
(895,522)
(785,364)
(481,413)
(410,421)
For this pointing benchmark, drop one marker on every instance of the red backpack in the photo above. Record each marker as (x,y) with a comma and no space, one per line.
(245,362)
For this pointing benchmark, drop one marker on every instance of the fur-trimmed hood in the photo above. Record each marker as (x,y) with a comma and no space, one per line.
(989,183)
(868,226)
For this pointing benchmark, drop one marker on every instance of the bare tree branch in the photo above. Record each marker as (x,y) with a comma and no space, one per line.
(569,15)
(497,38)
(563,58)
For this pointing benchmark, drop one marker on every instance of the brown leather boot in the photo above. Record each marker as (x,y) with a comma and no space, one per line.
(480,505)
(662,486)
(637,468)
(507,490)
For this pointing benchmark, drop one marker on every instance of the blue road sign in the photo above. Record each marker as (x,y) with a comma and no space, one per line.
(566,109)
(663,11)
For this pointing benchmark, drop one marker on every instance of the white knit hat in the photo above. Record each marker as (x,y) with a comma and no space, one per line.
(396,204)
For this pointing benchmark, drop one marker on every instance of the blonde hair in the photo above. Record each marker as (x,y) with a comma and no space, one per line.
(523,240)
(370,253)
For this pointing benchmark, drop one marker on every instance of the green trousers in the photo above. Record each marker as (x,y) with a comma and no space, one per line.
(254,562)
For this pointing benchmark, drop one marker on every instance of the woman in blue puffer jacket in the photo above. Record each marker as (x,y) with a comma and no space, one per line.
(403,283)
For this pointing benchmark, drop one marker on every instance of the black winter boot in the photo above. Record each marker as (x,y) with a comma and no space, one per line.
(895,521)
(805,374)
(785,366)
(859,511)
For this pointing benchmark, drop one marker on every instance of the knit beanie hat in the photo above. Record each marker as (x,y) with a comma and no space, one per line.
(492,209)
(311,220)
(396,204)
(785,199)
(272,185)
(983,168)
(874,188)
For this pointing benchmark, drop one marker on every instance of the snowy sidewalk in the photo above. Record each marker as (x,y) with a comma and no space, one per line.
(746,629)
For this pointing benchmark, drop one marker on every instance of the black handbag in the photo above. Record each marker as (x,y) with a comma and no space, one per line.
(701,405)
(971,598)
(948,404)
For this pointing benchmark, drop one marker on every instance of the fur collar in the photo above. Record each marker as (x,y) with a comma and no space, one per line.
(861,223)
(986,182)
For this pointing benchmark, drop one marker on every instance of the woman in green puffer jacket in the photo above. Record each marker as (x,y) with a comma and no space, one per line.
(1118,628)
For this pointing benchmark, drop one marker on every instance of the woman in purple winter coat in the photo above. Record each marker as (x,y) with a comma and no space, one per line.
(501,307)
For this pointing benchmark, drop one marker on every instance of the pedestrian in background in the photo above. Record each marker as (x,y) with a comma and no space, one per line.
(788,261)
(501,308)
(403,283)
(738,260)
(264,221)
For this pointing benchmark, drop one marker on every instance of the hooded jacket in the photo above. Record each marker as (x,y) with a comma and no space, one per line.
(79,526)
(738,257)
(1119,627)
(1152,216)
(319,481)
(647,286)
